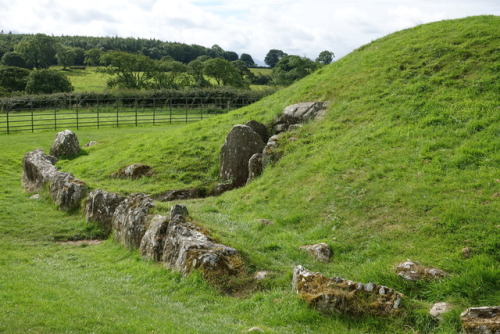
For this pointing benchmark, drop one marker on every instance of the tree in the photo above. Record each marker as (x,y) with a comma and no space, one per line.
(129,70)
(13,59)
(273,56)
(38,50)
(292,68)
(171,74)
(65,56)
(224,73)
(247,59)
(80,56)
(230,56)
(13,79)
(93,57)
(195,68)
(47,82)
(325,57)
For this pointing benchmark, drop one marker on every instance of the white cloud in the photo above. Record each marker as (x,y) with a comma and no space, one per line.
(297,27)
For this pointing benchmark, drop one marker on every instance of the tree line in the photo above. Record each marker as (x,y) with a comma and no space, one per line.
(135,63)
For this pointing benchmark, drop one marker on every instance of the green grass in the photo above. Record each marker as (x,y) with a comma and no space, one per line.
(405,165)
(87,80)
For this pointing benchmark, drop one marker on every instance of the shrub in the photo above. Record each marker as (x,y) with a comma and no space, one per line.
(13,78)
(48,82)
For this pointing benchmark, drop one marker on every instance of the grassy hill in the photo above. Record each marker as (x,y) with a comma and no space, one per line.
(405,165)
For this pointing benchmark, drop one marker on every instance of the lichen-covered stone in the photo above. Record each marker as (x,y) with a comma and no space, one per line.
(481,320)
(299,113)
(65,145)
(66,191)
(260,129)
(38,169)
(337,295)
(172,195)
(241,143)
(133,172)
(153,241)
(130,218)
(255,166)
(178,210)
(100,207)
(412,271)
(321,252)
(438,309)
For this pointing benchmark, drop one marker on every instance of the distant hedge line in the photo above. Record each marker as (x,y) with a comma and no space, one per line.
(219,97)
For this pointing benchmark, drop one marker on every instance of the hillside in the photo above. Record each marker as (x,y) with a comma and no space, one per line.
(405,165)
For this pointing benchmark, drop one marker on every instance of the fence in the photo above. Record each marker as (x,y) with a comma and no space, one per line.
(24,115)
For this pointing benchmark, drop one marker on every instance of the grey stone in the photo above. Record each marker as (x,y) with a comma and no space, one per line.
(153,241)
(134,171)
(255,166)
(130,218)
(481,320)
(35,196)
(261,275)
(438,309)
(38,169)
(90,143)
(306,111)
(180,210)
(100,207)
(412,271)
(66,191)
(321,252)
(240,144)
(260,129)
(65,145)
(172,195)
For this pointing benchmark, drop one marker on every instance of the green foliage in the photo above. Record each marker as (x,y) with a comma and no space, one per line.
(273,56)
(247,59)
(13,78)
(93,57)
(292,68)
(325,57)
(224,73)
(14,59)
(38,50)
(128,70)
(47,82)
(65,56)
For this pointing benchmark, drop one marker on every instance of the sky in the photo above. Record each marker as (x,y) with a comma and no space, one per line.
(298,27)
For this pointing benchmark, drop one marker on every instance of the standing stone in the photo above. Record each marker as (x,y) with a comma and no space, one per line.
(321,252)
(240,144)
(260,129)
(255,166)
(38,168)
(129,220)
(481,320)
(65,145)
(154,239)
(100,207)
(66,191)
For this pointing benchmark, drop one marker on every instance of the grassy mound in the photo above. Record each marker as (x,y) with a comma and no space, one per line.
(405,165)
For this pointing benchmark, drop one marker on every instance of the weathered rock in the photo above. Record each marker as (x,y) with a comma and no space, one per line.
(270,153)
(321,252)
(179,210)
(240,144)
(133,172)
(412,271)
(38,169)
(481,320)
(66,191)
(65,145)
(35,196)
(90,143)
(338,295)
(260,129)
(221,188)
(261,275)
(130,218)
(438,309)
(186,248)
(153,241)
(172,195)
(100,207)
(255,166)
(299,113)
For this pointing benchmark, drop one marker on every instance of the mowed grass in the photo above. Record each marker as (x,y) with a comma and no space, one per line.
(405,165)
(87,80)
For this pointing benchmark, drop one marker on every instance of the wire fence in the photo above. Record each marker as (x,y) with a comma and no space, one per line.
(24,116)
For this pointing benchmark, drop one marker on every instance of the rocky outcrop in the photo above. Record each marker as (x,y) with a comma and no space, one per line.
(66,191)
(481,320)
(321,252)
(299,113)
(38,169)
(255,166)
(65,145)
(152,243)
(337,295)
(412,271)
(130,218)
(135,171)
(241,143)
(100,207)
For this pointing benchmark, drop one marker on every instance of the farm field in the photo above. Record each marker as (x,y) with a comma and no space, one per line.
(404,165)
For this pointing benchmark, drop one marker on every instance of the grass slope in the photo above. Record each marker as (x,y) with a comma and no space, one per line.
(405,165)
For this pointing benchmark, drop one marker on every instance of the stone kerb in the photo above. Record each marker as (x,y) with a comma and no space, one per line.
(100,207)
(65,145)
(38,169)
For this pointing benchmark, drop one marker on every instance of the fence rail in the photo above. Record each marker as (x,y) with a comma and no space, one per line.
(21,115)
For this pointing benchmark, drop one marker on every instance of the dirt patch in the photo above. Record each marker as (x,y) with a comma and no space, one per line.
(82,242)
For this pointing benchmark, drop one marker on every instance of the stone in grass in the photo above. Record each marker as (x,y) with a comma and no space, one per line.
(134,171)
(153,241)
(100,207)
(66,191)
(65,145)
(412,271)
(481,320)
(438,309)
(336,295)
(321,252)
(38,169)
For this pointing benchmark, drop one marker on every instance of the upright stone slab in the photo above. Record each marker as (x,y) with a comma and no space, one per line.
(481,320)
(154,239)
(260,129)
(65,145)
(38,169)
(130,218)
(240,144)
(100,207)
(66,191)
(255,166)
